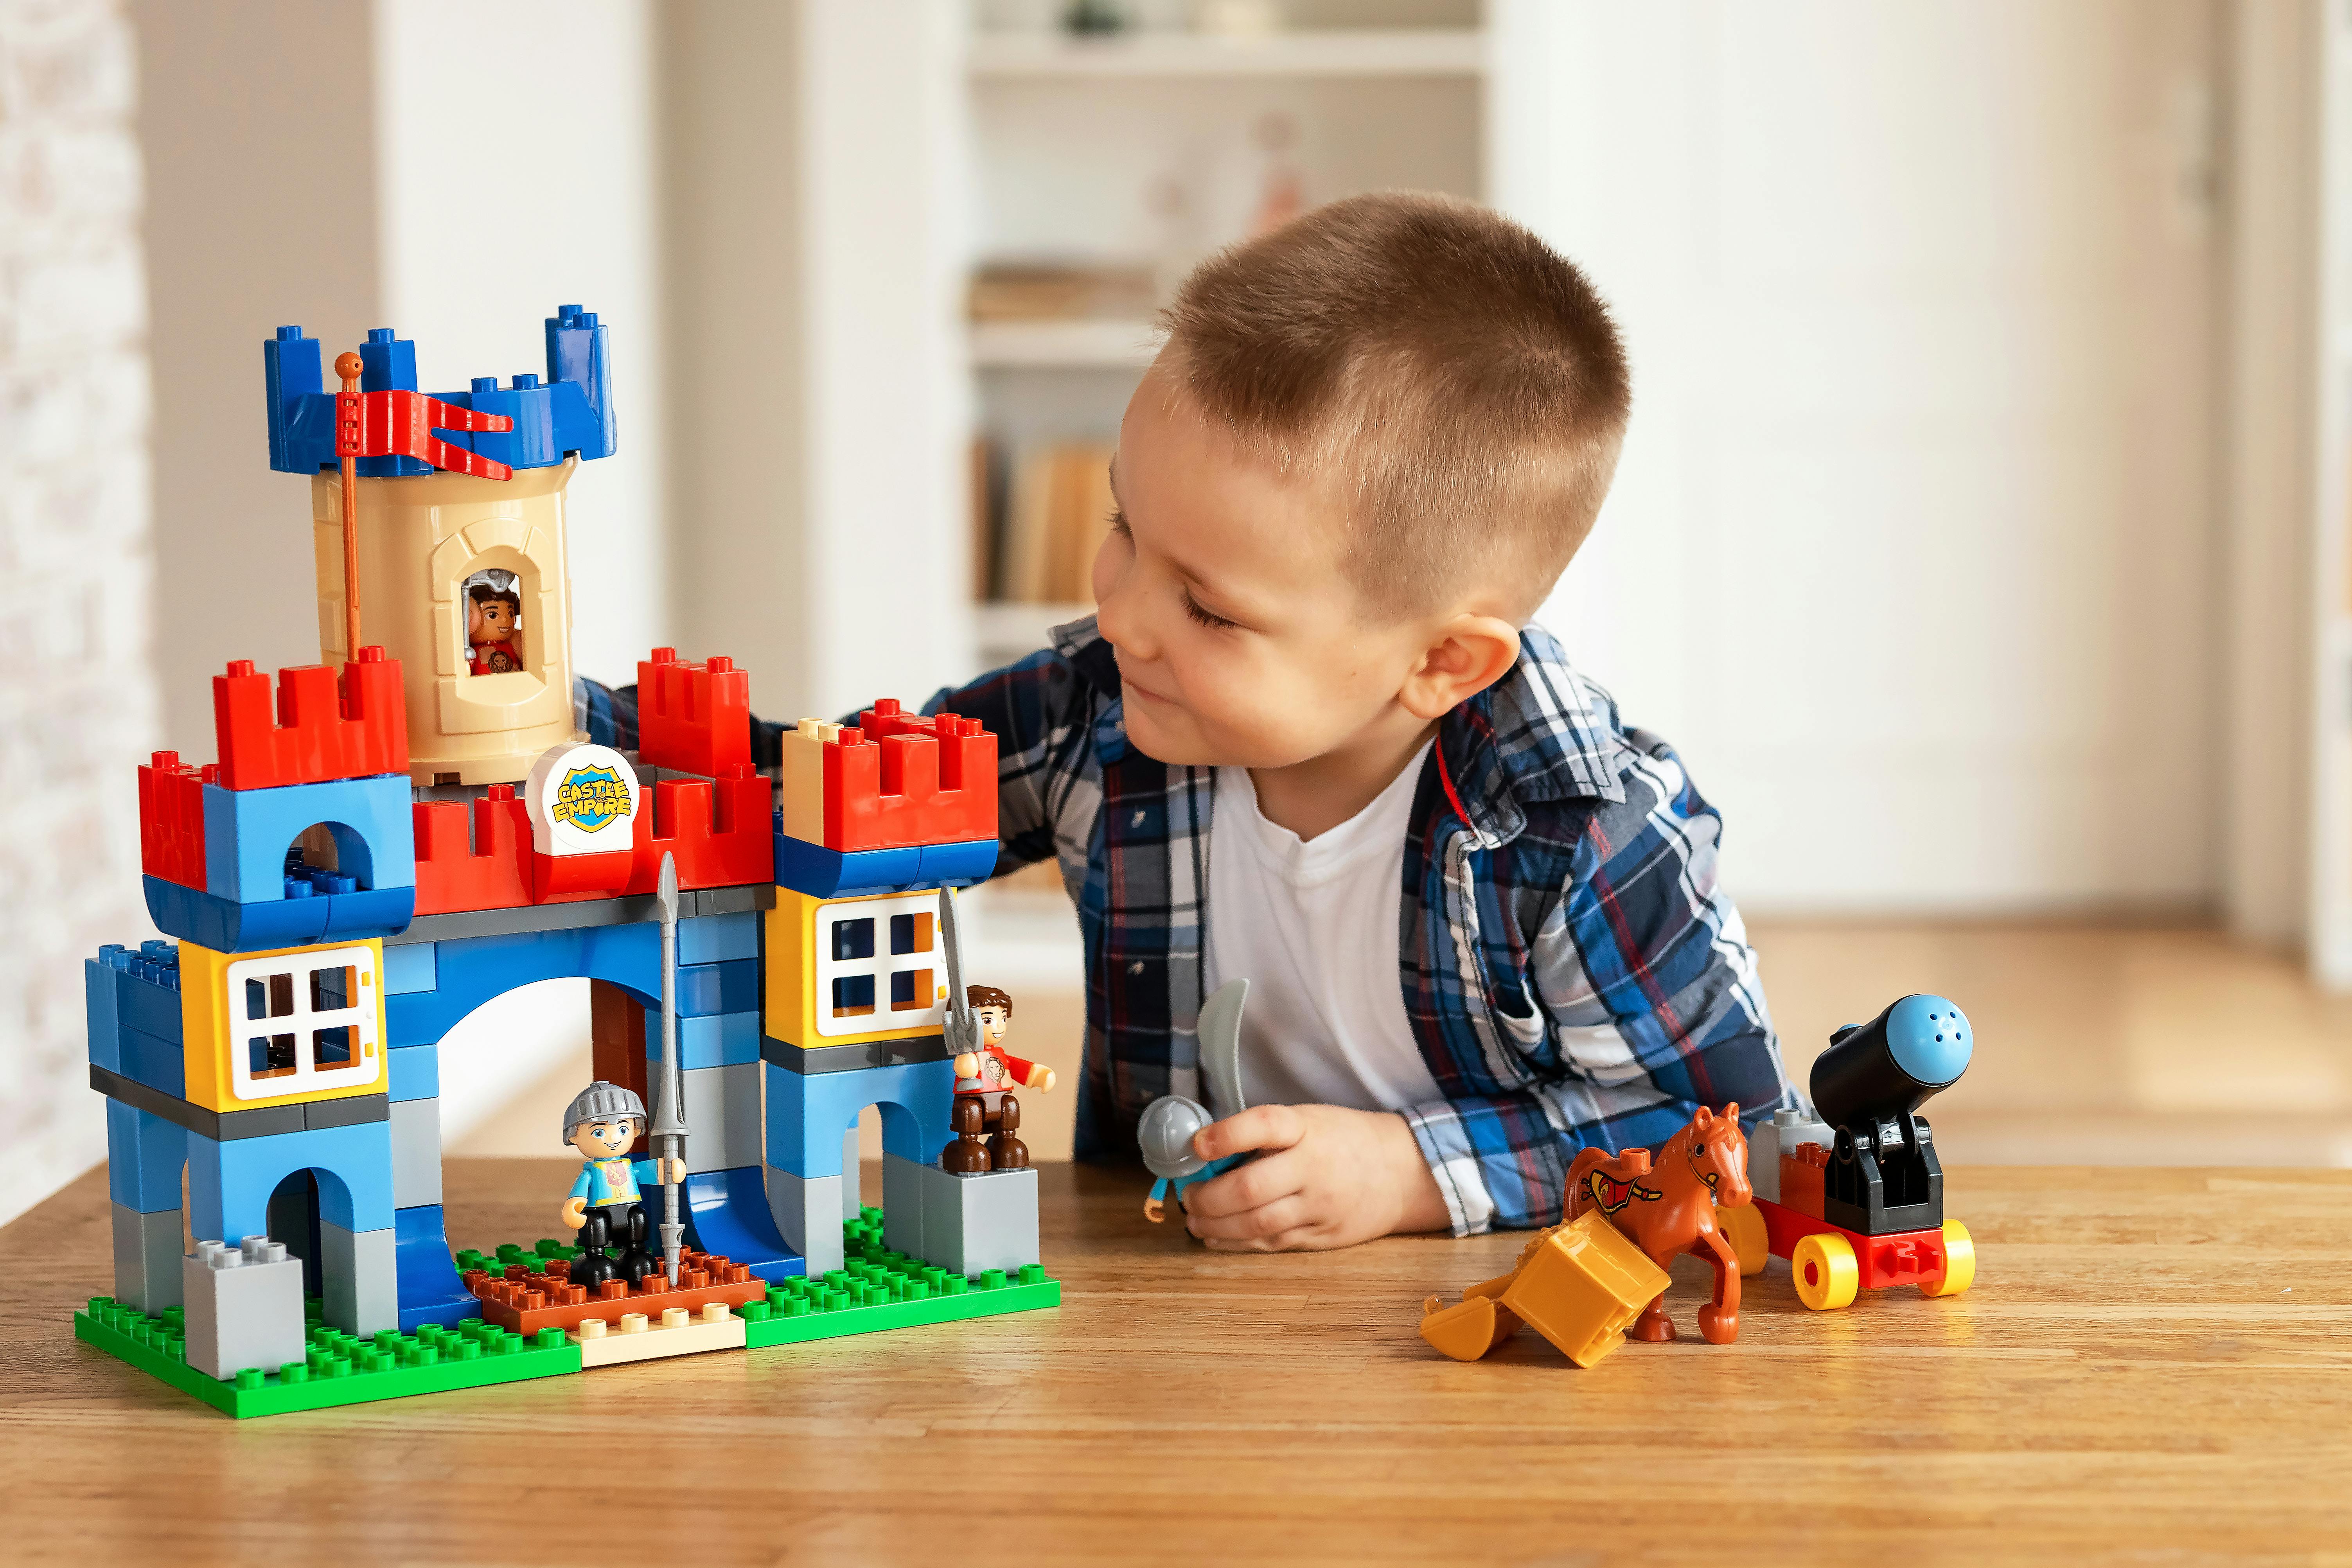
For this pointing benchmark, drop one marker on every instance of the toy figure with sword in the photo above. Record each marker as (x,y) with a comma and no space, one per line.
(978,1018)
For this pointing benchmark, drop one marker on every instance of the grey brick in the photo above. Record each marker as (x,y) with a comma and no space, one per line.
(244,1306)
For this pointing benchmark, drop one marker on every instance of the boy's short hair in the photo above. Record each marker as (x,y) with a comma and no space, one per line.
(1450,372)
(989,996)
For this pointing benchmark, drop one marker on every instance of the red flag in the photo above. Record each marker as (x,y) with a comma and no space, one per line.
(399,423)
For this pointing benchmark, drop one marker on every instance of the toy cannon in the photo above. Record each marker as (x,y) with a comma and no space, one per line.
(1854,1196)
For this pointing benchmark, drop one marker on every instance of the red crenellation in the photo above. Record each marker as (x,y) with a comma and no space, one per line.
(171,819)
(693,718)
(324,725)
(897,779)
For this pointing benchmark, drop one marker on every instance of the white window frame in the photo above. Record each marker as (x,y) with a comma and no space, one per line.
(881,966)
(367,1062)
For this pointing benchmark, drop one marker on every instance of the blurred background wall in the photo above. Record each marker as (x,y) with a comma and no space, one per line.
(1979,539)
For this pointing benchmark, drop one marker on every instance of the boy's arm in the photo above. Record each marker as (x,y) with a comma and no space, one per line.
(1039,710)
(1648,992)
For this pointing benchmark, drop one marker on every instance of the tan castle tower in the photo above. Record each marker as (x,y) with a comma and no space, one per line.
(421,539)
(462,578)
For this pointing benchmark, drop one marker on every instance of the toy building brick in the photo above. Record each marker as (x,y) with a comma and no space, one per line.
(399,834)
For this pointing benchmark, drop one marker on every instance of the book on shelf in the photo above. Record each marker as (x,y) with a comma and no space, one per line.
(1044,522)
(1020,291)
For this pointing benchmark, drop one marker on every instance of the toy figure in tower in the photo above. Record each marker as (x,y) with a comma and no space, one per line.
(606,1206)
(493,614)
(985,1078)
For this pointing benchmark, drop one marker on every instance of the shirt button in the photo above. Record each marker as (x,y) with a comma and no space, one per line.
(1136,968)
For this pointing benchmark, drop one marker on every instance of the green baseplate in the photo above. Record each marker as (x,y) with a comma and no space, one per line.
(874,1289)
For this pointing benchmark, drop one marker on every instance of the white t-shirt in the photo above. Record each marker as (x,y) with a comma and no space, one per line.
(1313,924)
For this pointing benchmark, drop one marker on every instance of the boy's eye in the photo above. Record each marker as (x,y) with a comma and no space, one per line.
(1119,523)
(1194,609)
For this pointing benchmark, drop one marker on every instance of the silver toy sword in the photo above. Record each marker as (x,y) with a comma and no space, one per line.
(961,1026)
(1219,1033)
(668,1132)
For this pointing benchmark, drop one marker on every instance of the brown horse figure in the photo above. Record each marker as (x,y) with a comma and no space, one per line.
(1669,1209)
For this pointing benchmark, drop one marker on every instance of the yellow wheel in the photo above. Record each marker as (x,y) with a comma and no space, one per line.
(1959,1262)
(1744,1228)
(1827,1275)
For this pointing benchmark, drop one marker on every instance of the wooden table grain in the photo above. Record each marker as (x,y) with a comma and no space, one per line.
(2155,1366)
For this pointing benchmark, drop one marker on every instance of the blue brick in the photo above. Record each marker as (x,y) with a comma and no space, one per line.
(413,1072)
(430,1288)
(707,988)
(147,987)
(408,967)
(248,831)
(153,1060)
(98,1003)
(712,1040)
(808,1112)
(958,865)
(822,873)
(144,1154)
(716,938)
(469,970)
(229,1183)
(227,926)
(726,1215)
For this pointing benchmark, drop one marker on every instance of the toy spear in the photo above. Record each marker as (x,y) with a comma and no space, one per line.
(961,1026)
(668,1132)
(347,445)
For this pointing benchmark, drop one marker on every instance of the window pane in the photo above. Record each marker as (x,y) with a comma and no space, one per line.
(332,989)
(854,939)
(281,994)
(331,1048)
(852,994)
(269,1057)
(257,999)
(911,989)
(910,933)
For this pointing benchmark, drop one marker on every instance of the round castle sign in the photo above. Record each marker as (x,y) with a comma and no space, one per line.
(584,800)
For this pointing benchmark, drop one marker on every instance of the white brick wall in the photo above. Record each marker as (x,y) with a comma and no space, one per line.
(77,690)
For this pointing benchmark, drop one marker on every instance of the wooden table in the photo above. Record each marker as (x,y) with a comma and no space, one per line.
(2154,1365)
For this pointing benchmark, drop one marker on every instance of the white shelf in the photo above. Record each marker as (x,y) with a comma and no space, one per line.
(1334,52)
(1009,631)
(1100,345)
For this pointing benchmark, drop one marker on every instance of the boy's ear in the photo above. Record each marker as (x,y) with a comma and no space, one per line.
(1469,654)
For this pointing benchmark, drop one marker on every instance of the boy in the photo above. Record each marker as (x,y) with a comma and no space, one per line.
(1479,917)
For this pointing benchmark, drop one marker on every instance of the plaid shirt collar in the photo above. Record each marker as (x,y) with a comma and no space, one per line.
(1531,736)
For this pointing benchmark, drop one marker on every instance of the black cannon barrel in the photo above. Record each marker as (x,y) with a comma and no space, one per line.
(1892,1064)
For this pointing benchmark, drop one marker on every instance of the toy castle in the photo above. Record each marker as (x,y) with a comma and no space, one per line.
(416,825)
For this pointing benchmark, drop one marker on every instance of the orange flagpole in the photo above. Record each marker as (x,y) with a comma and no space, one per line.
(348,412)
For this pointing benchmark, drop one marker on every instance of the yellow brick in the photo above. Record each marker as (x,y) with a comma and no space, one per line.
(792,993)
(213,1030)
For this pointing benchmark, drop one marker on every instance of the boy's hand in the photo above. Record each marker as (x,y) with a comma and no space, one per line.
(1327,1176)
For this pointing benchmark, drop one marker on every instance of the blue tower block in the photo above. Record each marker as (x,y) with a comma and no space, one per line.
(260,892)
(570,413)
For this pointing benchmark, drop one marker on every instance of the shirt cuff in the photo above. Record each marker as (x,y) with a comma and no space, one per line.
(1446,1144)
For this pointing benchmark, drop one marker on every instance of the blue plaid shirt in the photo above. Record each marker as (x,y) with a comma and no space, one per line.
(1572,970)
